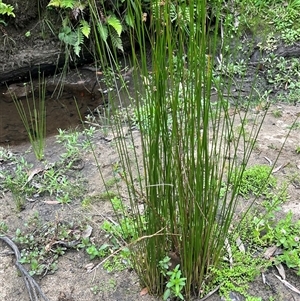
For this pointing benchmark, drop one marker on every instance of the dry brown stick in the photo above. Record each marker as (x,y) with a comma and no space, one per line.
(31,285)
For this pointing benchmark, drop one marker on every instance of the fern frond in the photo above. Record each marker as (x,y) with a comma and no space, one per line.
(67,3)
(79,42)
(81,5)
(55,3)
(77,49)
(80,37)
(173,12)
(116,40)
(103,32)
(6,9)
(115,23)
(129,20)
(85,28)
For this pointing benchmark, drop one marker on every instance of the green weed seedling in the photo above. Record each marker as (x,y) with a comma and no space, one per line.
(16,180)
(24,182)
(108,286)
(273,200)
(3,228)
(125,227)
(116,233)
(262,219)
(107,195)
(175,282)
(277,113)
(64,199)
(284,234)
(42,244)
(70,140)
(74,143)
(119,262)
(90,199)
(5,9)
(101,252)
(123,230)
(295,126)
(236,277)
(257,180)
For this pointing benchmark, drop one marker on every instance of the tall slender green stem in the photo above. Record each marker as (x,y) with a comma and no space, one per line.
(190,145)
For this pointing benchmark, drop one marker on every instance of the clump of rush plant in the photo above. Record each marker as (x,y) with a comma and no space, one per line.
(33,115)
(179,187)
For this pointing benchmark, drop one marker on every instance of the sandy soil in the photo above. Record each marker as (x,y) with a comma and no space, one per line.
(72,281)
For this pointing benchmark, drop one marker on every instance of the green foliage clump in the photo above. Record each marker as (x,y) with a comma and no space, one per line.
(256,180)
(263,17)
(84,19)
(41,244)
(24,182)
(72,33)
(116,256)
(284,234)
(236,277)
(6,9)
(282,72)
(175,282)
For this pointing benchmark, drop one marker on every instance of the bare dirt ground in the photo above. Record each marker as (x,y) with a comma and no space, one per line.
(72,281)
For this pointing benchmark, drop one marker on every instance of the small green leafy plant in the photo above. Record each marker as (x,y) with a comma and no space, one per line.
(53,180)
(41,244)
(257,180)
(107,286)
(277,113)
(295,126)
(3,228)
(175,283)
(286,235)
(74,142)
(116,233)
(236,277)
(16,181)
(6,9)
(76,25)
(283,72)
(94,252)
(70,33)
(125,227)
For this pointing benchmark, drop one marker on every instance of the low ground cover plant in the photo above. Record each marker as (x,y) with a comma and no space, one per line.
(52,179)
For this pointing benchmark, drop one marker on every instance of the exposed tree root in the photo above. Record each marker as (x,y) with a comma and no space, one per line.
(32,287)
